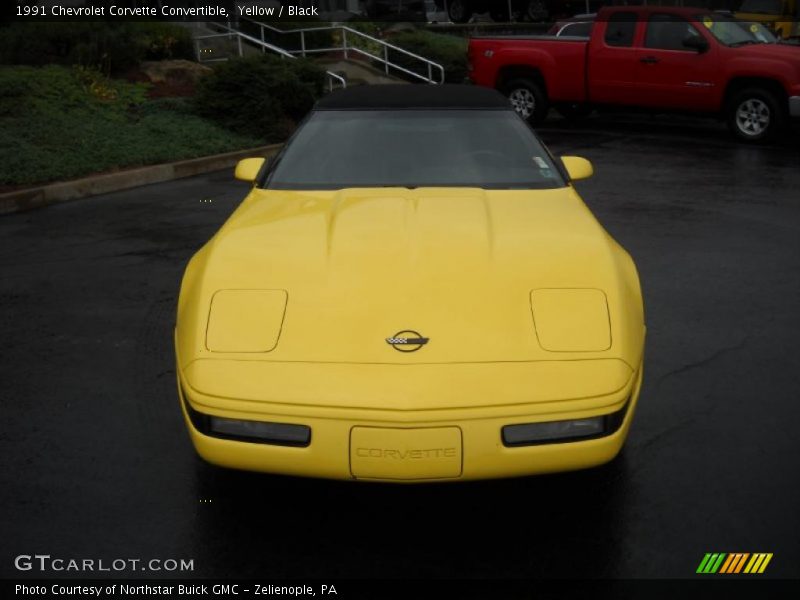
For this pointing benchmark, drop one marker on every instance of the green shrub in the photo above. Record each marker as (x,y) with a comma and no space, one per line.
(61,123)
(263,96)
(162,41)
(53,89)
(356,41)
(174,105)
(111,47)
(448,51)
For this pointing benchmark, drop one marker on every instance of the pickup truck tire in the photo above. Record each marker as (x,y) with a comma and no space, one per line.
(754,114)
(528,99)
(459,11)
(536,10)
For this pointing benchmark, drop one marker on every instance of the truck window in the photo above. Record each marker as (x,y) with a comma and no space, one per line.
(667,32)
(577,29)
(620,29)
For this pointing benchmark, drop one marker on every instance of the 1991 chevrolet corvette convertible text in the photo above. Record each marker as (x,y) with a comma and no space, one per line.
(411,291)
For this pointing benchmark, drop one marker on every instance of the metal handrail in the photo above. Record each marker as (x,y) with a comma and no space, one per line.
(431,65)
(264,47)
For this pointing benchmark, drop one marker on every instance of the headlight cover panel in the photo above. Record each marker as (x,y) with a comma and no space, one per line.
(245,320)
(571,319)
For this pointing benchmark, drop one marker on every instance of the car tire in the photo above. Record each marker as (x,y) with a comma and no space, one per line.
(536,10)
(528,99)
(459,11)
(754,114)
(574,111)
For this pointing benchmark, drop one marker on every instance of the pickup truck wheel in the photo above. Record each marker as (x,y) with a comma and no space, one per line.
(528,99)
(536,10)
(459,11)
(754,114)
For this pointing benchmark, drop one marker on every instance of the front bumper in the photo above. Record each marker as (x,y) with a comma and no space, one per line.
(413,446)
(794,106)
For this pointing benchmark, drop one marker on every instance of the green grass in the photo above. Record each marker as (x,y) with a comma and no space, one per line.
(60,123)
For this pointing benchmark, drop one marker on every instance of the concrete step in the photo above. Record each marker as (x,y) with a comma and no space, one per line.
(356,72)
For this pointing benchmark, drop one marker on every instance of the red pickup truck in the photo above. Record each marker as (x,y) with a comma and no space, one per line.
(659,58)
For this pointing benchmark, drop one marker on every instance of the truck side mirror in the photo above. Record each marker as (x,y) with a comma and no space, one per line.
(695,42)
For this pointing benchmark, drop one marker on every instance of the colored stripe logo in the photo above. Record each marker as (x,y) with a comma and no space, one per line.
(734,562)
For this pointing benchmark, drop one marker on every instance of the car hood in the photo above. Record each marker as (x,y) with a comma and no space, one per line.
(358,266)
(785,52)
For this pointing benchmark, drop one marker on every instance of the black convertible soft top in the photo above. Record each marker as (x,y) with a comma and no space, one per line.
(413,96)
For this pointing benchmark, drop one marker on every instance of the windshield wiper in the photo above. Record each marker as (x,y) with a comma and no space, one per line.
(744,43)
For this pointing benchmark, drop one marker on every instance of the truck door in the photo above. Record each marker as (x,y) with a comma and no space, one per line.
(677,65)
(611,59)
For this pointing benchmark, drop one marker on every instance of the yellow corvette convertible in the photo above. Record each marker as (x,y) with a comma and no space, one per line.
(412,291)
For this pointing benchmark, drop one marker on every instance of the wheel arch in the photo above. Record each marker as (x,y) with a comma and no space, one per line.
(516,71)
(738,84)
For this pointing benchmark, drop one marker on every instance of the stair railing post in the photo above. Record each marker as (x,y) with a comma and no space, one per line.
(239,44)
(386,58)
(263,41)
(344,41)
(430,74)
(303,43)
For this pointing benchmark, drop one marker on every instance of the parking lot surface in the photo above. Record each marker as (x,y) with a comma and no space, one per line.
(95,461)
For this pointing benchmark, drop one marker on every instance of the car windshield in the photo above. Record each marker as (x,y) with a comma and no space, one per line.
(414,148)
(732,32)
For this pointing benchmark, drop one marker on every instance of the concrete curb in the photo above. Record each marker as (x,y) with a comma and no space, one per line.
(54,193)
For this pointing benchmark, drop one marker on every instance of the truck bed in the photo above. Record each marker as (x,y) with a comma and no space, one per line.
(561,60)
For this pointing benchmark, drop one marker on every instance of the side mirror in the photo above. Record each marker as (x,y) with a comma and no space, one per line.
(695,42)
(577,167)
(247,169)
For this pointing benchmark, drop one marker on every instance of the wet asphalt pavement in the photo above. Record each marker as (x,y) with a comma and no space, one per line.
(95,461)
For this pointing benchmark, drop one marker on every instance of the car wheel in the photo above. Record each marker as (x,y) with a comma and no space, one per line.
(754,115)
(574,111)
(528,99)
(536,10)
(459,11)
